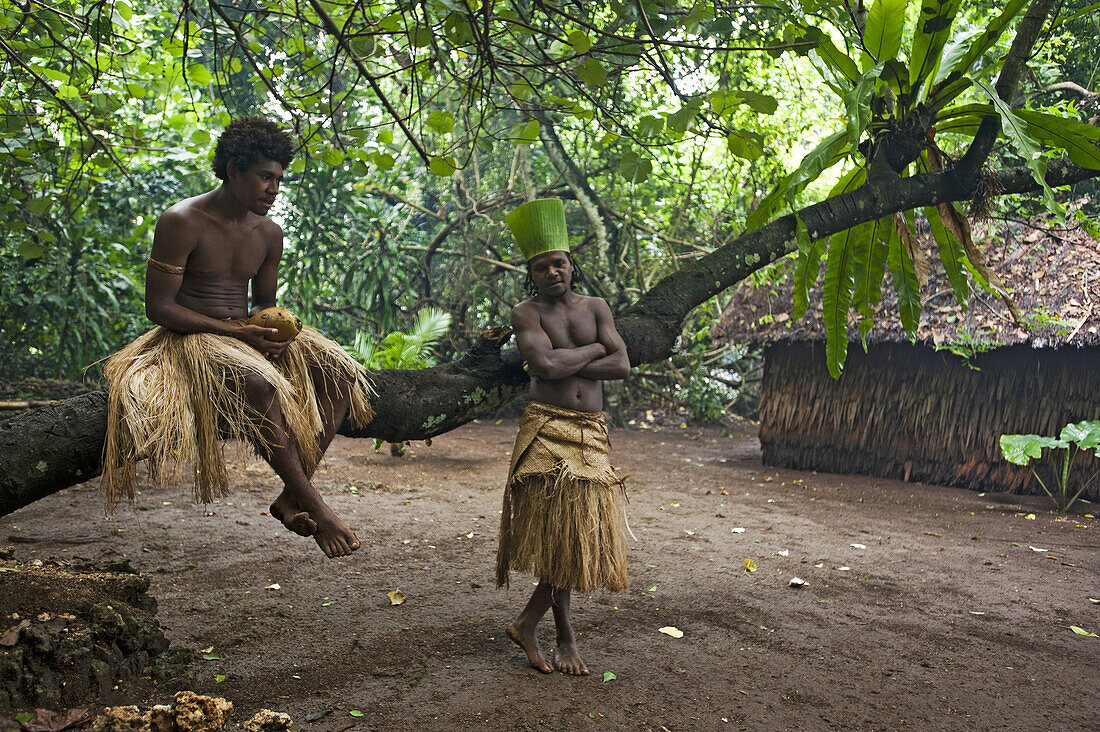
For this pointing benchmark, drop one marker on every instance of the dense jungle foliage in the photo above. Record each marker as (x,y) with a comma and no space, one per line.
(672,128)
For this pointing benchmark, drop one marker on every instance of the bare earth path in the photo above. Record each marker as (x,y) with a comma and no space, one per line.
(945,617)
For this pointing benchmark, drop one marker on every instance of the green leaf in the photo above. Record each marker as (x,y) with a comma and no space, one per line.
(1076,138)
(933,28)
(650,126)
(333,157)
(857,103)
(384,161)
(23,717)
(211,657)
(955,49)
(355,713)
(1015,129)
(199,74)
(444,167)
(745,144)
(1020,449)
(680,120)
(828,153)
(592,72)
(906,281)
(608,676)
(526,133)
(837,60)
(385,137)
(1085,434)
(807,264)
(634,168)
(836,293)
(218,678)
(762,103)
(38,206)
(723,102)
(441,121)
(883,31)
(951,254)
(1082,631)
(989,37)
(870,262)
(421,36)
(580,41)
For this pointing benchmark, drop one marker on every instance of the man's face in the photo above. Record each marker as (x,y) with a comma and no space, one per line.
(257,187)
(552,273)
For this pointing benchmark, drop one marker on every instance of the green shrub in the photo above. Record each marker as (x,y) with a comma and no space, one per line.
(1021,449)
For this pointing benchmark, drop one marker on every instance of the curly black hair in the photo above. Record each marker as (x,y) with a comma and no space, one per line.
(248,139)
(578,278)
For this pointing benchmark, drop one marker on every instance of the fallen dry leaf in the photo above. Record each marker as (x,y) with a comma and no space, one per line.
(750,566)
(397,597)
(11,635)
(672,631)
(48,721)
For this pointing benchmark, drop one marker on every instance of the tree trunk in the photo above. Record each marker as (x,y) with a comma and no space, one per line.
(50,448)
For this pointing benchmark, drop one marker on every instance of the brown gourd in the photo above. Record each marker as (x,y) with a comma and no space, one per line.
(287,323)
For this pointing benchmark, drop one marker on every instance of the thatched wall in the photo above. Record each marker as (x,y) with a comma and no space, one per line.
(910,412)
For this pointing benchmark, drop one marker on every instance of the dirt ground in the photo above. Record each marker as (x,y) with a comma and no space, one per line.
(925,608)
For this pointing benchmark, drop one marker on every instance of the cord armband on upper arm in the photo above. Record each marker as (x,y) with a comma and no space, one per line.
(166,268)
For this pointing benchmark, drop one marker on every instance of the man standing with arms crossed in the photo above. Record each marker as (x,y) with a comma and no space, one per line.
(204,370)
(563,510)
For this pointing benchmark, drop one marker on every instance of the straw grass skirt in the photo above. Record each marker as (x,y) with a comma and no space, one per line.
(564,503)
(172,396)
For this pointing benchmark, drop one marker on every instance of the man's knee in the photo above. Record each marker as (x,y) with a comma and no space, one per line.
(259,392)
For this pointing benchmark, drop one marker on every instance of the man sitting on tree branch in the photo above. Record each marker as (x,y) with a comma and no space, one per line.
(205,370)
(563,506)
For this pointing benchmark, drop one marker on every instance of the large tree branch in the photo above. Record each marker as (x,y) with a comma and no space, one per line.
(47,449)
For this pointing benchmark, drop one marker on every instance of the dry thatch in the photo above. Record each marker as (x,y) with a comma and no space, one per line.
(909,412)
(916,411)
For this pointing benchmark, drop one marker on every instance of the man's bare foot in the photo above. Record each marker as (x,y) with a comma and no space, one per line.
(335,538)
(286,510)
(568,660)
(529,642)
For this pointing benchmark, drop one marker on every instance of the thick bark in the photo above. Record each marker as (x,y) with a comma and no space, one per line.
(50,448)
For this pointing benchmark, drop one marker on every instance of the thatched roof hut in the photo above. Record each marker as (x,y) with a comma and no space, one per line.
(933,410)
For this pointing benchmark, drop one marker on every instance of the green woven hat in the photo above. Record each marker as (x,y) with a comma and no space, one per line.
(539,227)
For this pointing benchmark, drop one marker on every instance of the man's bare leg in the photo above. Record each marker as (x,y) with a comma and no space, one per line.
(333,396)
(335,538)
(566,657)
(523,630)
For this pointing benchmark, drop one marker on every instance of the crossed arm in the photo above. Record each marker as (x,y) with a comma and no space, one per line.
(604,359)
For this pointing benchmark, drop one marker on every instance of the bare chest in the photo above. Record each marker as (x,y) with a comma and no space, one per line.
(570,328)
(226,255)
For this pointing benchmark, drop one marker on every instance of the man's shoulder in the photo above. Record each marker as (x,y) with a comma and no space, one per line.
(185,211)
(592,303)
(524,307)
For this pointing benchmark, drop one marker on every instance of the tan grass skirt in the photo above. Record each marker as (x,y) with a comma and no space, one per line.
(564,505)
(172,396)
